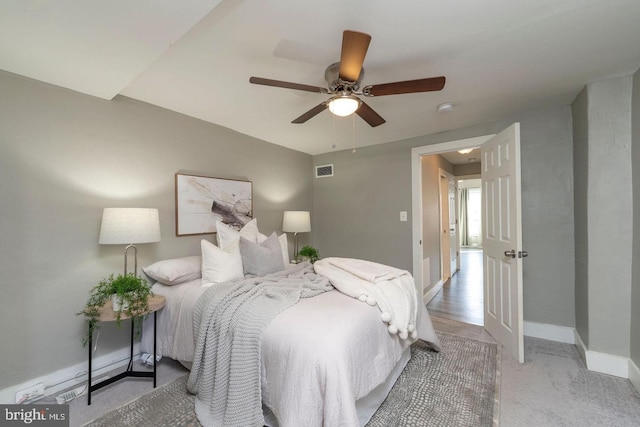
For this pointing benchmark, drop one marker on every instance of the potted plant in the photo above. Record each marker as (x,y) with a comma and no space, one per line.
(308,253)
(130,295)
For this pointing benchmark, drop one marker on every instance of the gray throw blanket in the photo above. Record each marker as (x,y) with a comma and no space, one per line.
(228,321)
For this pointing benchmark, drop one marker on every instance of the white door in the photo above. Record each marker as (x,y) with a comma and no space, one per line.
(445,241)
(502,234)
(453,228)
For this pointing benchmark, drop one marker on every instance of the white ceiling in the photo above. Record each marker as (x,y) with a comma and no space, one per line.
(456,158)
(195,57)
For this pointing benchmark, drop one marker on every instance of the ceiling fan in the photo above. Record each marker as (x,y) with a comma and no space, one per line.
(344,78)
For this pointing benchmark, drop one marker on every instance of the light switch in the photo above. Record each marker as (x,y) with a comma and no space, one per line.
(403,216)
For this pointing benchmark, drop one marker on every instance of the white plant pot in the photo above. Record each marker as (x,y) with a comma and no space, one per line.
(118,304)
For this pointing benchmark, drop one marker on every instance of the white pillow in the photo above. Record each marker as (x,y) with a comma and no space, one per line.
(176,270)
(227,235)
(220,265)
(284,245)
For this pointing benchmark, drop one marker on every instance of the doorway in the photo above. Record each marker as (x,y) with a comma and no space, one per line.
(428,280)
(501,232)
(462,297)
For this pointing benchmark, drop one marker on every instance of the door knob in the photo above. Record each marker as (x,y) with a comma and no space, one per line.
(510,254)
(523,254)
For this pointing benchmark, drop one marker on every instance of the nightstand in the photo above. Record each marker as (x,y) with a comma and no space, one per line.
(156,302)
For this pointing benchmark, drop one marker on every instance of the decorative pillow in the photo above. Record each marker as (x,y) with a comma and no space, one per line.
(284,245)
(227,235)
(261,259)
(176,270)
(220,265)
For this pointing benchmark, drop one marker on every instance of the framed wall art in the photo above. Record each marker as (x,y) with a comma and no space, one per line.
(202,200)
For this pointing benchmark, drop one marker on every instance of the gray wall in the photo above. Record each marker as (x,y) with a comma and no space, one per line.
(635,291)
(66,156)
(579,110)
(431,166)
(609,203)
(605,207)
(356,211)
(547,214)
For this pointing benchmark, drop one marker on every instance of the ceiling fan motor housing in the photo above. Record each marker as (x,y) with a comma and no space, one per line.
(336,84)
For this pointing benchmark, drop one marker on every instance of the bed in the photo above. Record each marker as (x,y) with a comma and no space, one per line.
(328,359)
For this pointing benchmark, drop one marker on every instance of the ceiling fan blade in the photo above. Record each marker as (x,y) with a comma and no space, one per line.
(311,113)
(368,115)
(354,49)
(287,85)
(408,86)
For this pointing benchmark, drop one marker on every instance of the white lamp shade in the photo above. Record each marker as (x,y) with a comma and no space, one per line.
(343,105)
(129,226)
(296,222)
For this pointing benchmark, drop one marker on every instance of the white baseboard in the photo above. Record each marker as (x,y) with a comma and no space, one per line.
(608,364)
(72,375)
(595,361)
(426,298)
(604,363)
(634,375)
(550,332)
(582,349)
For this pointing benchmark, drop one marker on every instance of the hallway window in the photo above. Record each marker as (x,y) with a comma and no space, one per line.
(474,209)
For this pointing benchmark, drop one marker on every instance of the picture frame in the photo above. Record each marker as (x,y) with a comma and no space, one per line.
(203,200)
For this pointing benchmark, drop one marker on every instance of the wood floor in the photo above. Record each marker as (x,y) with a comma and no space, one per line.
(461,298)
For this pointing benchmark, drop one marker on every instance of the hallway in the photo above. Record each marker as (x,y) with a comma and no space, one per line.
(462,298)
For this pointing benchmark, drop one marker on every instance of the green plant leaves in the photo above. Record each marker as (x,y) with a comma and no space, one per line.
(130,288)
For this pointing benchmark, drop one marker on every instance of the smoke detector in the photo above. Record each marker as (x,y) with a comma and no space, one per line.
(445,107)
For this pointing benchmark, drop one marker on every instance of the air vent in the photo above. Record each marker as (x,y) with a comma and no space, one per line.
(324,171)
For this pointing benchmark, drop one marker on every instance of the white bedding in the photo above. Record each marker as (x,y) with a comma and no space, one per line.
(347,348)
(175,337)
(348,352)
(391,289)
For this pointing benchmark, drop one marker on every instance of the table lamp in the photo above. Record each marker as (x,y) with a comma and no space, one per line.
(129,226)
(296,222)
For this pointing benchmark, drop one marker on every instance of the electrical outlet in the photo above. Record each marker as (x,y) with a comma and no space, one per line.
(70,395)
(30,393)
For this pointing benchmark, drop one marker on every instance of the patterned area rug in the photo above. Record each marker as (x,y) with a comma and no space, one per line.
(456,387)
(459,386)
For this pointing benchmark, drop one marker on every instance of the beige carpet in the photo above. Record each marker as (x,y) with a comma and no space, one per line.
(552,388)
(456,387)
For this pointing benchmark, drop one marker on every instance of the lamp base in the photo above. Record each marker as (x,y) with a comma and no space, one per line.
(295,247)
(135,259)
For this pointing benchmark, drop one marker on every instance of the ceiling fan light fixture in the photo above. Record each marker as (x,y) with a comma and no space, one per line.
(344,105)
